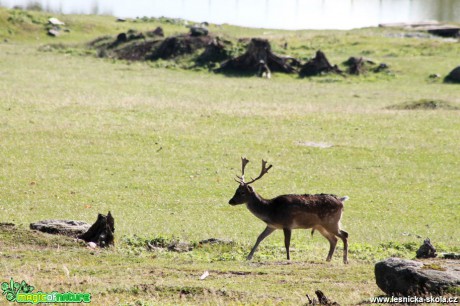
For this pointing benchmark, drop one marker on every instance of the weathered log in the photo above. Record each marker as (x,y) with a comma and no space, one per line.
(318,65)
(61,227)
(101,232)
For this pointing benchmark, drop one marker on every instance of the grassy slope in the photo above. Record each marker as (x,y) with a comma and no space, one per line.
(159,149)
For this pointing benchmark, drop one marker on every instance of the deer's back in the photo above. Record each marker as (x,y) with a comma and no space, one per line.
(303,209)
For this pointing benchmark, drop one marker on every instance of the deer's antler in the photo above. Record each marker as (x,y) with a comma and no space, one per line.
(262,172)
(244,162)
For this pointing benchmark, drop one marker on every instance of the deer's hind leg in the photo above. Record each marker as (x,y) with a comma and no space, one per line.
(344,236)
(332,241)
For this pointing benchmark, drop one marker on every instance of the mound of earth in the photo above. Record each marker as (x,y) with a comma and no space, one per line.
(425,104)
(360,65)
(180,45)
(137,46)
(216,51)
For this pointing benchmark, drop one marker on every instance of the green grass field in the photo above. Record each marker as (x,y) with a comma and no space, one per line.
(160,147)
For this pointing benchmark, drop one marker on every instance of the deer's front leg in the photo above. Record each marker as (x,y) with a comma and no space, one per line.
(262,236)
(287,241)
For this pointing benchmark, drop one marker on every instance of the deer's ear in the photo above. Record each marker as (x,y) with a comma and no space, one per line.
(251,190)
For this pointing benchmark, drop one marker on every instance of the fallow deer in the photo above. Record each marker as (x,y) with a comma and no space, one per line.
(321,212)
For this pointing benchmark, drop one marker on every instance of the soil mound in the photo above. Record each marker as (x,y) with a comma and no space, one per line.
(137,46)
(425,104)
(180,45)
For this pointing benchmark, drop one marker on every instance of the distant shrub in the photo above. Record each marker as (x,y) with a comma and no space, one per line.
(34,6)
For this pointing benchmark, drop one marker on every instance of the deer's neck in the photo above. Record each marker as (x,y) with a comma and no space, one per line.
(258,206)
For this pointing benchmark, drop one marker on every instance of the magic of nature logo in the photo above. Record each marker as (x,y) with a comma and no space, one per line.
(22,293)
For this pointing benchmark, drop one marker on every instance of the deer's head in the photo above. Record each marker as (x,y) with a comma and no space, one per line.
(244,192)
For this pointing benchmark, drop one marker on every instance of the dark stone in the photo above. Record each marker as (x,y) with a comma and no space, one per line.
(426,250)
(381,67)
(400,277)
(122,37)
(61,227)
(453,76)
(198,31)
(446,31)
(54,32)
(451,256)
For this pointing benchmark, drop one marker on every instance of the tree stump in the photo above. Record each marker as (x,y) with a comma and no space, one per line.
(259,50)
(318,65)
(214,52)
(358,65)
(426,250)
(158,32)
(101,232)
(322,299)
